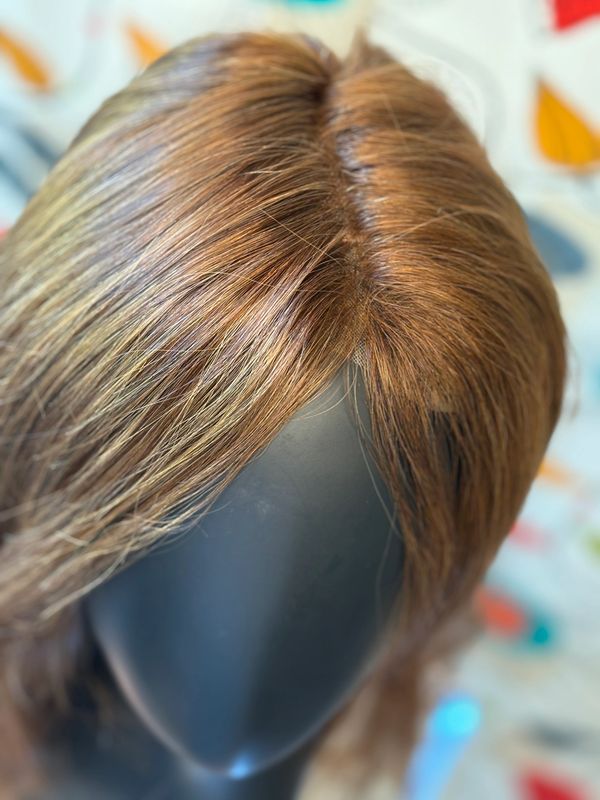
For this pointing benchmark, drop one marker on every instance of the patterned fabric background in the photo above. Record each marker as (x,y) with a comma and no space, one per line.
(522,721)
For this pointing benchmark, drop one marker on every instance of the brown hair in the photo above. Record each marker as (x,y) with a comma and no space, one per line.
(248,215)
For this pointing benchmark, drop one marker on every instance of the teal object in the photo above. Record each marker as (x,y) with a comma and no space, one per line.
(542,634)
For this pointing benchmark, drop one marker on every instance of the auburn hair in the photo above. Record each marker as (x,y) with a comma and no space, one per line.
(247,216)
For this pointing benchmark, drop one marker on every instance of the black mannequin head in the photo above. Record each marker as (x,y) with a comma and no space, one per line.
(237,641)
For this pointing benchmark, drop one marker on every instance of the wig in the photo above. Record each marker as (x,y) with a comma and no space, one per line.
(247,216)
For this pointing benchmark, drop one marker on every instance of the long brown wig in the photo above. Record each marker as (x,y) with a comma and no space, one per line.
(248,215)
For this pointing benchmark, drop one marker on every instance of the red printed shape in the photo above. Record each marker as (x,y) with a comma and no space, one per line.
(539,786)
(570,12)
(527,535)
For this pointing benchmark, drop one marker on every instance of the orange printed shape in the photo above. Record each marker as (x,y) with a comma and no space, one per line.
(562,135)
(553,472)
(26,64)
(146,47)
(500,613)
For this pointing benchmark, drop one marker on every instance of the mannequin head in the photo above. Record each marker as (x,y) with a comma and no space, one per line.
(248,215)
(237,640)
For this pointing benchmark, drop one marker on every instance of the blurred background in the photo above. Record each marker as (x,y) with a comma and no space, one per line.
(522,718)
